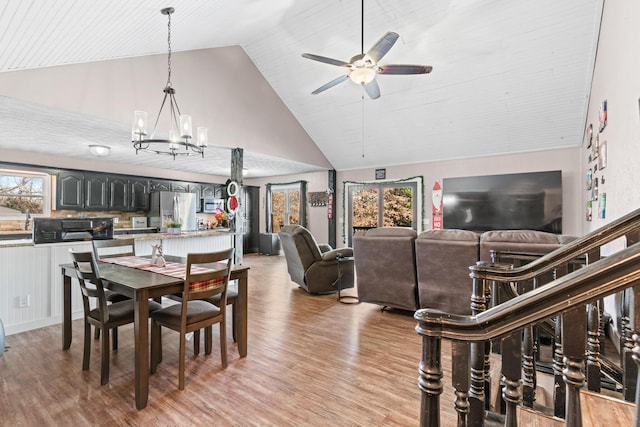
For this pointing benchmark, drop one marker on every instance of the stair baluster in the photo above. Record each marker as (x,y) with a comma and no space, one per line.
(573,342)
(477,351)
(460,379)
(511,368)
(430,382)
(593,348)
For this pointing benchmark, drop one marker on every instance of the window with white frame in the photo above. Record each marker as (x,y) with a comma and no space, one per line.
(23,192)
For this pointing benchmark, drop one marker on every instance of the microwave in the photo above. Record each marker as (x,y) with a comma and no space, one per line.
(210,205)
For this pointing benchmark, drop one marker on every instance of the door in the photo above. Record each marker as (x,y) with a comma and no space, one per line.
(251,235)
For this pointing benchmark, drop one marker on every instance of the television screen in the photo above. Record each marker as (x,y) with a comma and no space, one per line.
(522,201)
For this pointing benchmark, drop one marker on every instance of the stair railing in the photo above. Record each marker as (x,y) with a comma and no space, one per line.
(483,276)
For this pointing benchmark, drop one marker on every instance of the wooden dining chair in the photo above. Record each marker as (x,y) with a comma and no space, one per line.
(194,312)
(113,248)
(104,316)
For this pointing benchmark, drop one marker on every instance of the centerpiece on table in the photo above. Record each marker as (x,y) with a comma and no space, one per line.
(174,227)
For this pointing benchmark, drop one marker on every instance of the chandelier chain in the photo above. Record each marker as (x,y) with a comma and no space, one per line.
(169,56)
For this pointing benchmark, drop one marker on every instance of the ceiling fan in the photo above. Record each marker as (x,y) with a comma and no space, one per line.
(363,68)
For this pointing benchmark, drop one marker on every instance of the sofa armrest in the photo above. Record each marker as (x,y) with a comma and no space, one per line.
(324,247)
(335,253)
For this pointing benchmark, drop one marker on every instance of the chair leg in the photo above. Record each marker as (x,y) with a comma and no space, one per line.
(223,343)
(86,354)
(105,357)
(208,337)
(196,342)
(97,334)
(115,338)
(156,346)
(182,361)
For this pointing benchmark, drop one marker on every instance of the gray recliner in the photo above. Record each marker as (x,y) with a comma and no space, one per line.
(315,267)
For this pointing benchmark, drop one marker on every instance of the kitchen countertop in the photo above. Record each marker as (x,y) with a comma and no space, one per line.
(142,236)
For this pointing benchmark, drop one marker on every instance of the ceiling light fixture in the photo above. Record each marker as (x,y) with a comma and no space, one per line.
(180,141)
(99,150)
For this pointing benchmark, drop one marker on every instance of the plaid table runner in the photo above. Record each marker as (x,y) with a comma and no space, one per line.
(172,269)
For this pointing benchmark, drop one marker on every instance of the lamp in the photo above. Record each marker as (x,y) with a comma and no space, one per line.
(180,138)
(99,150)
(364,70)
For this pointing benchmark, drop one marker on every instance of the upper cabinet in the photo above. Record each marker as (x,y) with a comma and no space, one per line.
(70,190)
(96,192)
(159,185)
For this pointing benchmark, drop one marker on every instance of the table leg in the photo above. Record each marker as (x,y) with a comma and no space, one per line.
(241,306)
(141,339)
(66,311)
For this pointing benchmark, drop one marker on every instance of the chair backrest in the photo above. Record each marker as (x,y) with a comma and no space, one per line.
(90,281)
(208,275)
(114,247)
(300,249)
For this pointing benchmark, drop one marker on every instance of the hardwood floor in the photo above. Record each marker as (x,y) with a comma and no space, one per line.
(311,362)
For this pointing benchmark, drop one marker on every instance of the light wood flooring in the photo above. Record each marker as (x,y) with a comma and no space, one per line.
(311,362)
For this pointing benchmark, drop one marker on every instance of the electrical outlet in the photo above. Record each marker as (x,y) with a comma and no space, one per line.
(23,302)
(115,220)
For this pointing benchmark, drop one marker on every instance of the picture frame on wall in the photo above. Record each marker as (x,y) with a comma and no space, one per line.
(589,135)
(603,115)
(602,155)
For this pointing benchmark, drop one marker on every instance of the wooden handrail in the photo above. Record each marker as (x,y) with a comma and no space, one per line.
(602,278)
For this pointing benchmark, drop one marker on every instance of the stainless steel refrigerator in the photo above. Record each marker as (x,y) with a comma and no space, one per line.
(170,205)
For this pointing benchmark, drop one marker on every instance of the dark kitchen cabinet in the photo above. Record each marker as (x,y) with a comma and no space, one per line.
(180,187)
(196,189)
(251,236)
(119,194)
(156,185)
(208,191)
(96,192)
(69,190)
(139,199)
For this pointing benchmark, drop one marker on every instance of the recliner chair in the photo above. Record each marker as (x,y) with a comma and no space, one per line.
(315,267)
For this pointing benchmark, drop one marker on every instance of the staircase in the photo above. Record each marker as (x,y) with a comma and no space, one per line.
(560,293)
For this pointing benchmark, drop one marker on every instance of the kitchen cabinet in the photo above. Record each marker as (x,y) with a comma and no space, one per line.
(69,190)
(119,194)
(180,187)
(197,190)
(159,185)
(139,190)
(96,194)
(208,191)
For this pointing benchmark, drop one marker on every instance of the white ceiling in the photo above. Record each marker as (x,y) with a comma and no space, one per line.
(508,75)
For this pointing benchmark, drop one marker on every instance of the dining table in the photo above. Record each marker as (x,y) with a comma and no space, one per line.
(140,285)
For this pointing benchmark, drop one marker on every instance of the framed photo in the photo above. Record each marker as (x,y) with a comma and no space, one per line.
(602,156)
(589,135)
(603,115)
(381,173)
(595,148)
(318,198)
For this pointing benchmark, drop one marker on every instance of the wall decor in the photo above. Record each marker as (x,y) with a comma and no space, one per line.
(381,174)
(602,205)
(589,135)
(589,204)
(318,198)
(602,156)
(589,179)
(603,115)
(595,149)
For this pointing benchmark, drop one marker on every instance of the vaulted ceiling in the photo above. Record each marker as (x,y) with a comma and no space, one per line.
(508,75)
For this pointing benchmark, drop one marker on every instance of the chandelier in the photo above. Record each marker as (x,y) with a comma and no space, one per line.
(180,141)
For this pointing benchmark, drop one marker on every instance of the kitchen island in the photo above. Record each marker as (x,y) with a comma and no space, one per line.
(31,284)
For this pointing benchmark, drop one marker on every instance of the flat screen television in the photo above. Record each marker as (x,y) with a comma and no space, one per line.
(521,201)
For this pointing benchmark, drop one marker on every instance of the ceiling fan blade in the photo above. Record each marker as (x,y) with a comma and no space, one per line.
(382,46)
(404,69)
(372,89)
(324,59)
(331,84)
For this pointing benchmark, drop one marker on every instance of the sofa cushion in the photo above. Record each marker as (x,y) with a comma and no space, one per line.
(530,241)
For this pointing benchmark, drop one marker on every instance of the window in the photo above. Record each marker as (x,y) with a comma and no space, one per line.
(22,192)
(383,204)
(286,205)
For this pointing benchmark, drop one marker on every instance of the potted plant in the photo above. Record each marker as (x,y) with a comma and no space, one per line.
(174,227)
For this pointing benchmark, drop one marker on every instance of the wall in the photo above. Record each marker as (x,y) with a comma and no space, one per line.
(316,216)
(616,79)
(566,160)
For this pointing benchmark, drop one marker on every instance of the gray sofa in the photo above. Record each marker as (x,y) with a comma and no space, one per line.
(315,267)
(396,268)
(385,266)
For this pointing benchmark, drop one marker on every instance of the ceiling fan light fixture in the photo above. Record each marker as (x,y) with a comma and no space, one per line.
(99,150)
(179,142)
(362,75)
